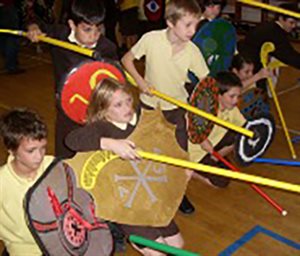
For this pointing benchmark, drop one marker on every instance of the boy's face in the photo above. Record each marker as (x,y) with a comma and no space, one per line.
(246,72)
(185,27)
(212,11)
(120,108)
(29,156)
(230,98)
(86,34)
(288,24)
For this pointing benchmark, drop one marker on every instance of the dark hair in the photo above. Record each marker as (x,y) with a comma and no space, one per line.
(206,3)
(21,123)
(238,61)
(176,9)
(290,7)
(89,11)
(226,80)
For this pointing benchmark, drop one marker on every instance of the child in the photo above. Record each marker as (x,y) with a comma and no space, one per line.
(211,9)
(243,67)
(85,29)
(25,137)
(129,22)
(254,100)
(220,139)
(111,119)
(169,56)
(276,32)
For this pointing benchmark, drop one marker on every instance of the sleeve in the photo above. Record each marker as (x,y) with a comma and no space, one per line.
(238,117)
(86,138)
(285,52)
(140,48)
(107,49)
(198,64)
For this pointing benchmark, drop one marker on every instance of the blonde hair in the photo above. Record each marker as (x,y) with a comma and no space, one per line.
(176,9)
(101,98)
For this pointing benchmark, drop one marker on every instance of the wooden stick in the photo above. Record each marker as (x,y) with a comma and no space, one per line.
(160,247)
(265,50)
(256,188)
(219,171)
(165,97)
(271,8)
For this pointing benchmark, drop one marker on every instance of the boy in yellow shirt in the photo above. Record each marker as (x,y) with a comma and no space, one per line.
(220,139)
(169,56)
(25,137)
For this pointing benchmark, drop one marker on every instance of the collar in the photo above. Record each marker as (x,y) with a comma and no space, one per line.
(21,180)
(123,126)
(279,24)
(73,39)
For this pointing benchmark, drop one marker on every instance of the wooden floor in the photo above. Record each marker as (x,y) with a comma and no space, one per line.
(223,216)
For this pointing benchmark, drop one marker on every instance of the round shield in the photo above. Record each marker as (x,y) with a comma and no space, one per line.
(79,84)
(204,97)
(253,102)
(62,217)
(217,42)
(247,149)
(154,9)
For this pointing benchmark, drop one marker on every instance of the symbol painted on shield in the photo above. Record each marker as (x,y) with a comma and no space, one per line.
(142,179)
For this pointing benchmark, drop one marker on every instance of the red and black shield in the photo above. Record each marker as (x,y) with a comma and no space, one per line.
(61,216)
(80,83)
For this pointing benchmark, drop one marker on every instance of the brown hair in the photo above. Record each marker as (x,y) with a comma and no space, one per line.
(176,9)
(101,98)
(21,123)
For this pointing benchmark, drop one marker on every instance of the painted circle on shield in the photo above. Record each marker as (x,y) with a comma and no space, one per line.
(247,149)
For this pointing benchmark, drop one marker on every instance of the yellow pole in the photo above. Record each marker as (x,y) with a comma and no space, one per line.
(52,41)
(271,8)
(181,104)
(219,171)
(195,110)
(265,50)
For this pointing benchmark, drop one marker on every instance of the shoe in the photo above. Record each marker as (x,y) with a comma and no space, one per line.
(186,206)
(15,71)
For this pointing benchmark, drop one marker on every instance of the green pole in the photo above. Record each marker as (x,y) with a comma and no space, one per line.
(160,247)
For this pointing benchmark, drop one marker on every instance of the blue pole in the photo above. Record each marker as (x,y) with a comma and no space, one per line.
(276,161)
(296,139)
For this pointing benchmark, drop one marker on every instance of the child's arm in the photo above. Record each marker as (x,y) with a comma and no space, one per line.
(123,148)
(207,146)
(92,137)
(33,31)
(226,150)
(261,74)
(128,63)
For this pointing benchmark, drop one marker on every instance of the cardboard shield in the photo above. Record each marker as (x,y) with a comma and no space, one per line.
(253,103)
(136,192)
(204,97)
(61,216)
(217,42)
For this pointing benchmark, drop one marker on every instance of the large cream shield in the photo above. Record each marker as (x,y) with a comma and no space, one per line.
(136,192)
